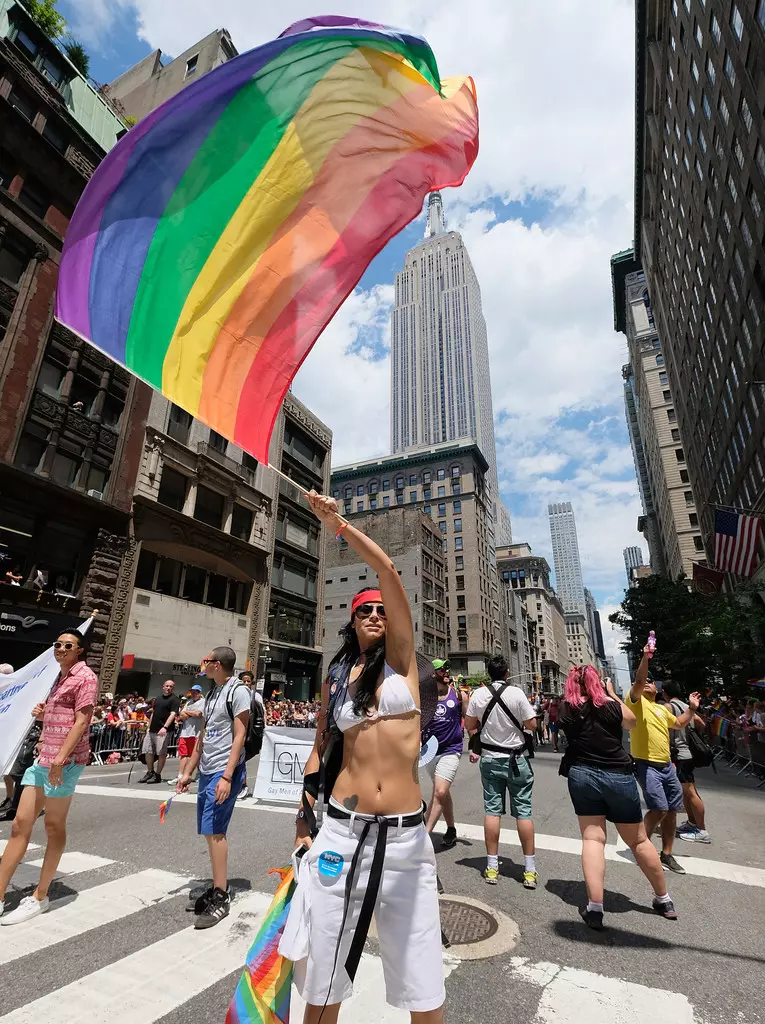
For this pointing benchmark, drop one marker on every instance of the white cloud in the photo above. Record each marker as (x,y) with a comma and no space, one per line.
(555,85)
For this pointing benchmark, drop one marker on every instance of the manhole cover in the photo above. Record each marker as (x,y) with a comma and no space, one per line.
(464,924)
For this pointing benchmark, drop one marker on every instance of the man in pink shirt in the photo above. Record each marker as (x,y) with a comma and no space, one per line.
(50,782)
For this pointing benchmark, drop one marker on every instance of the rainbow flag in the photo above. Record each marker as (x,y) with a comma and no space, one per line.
(263,993)
(164,807)
(218,238)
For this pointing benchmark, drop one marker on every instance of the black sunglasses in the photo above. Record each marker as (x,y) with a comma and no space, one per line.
(209,661)
(365,610)
(59,645)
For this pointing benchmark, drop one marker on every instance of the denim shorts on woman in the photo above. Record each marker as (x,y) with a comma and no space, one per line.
(37,775)
(597,793)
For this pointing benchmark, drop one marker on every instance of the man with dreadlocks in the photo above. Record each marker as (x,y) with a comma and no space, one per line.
(371,854)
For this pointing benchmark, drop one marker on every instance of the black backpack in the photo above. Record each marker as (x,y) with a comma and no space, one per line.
(256,725)
(702,754)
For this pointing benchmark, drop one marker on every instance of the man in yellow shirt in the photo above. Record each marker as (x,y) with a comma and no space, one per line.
(649,744)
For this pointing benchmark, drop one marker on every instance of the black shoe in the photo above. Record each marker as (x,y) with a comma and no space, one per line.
(8,815)
(666,909)
(147,777)
(669,863)
(154,780)
(200,903)
(592,918)
(5,805)
(449,838)
(216,909)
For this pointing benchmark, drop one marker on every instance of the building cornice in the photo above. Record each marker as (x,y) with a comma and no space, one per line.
(401,460)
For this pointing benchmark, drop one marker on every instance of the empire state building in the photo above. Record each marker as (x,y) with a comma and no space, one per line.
(440,376)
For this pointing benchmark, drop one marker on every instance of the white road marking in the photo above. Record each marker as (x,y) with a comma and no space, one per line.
(74,863)
(571,996)
(4,843)
(105,775)
(103,904)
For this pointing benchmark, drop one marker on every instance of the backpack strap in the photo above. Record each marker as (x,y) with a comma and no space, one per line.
(496,699)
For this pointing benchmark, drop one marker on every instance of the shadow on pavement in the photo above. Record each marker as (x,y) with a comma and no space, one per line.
(575,894)
(622,938)
(507,869)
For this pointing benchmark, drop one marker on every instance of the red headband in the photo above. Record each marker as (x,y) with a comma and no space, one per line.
(363,597)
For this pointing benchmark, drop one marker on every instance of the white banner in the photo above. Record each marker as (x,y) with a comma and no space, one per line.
(19,693)
(282,763)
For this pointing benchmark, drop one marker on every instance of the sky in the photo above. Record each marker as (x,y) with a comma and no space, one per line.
(547,203)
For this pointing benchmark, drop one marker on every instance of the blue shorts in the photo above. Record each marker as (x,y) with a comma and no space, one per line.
(661,787)
(212,818)
(37,775)
(598,793)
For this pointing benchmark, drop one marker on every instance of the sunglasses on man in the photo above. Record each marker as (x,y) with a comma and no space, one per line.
(61,645)
(209,661)
(365,610)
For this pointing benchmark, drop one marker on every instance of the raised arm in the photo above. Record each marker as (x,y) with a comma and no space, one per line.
(628,717)
(687,716)
(399,634)
(641,676)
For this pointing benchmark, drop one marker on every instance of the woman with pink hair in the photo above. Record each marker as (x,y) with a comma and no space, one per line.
(602,786)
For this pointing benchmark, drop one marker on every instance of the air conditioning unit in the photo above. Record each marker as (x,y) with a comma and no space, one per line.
(95,494)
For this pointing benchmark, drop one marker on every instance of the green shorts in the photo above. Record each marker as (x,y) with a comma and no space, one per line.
(36,775)
(498,777)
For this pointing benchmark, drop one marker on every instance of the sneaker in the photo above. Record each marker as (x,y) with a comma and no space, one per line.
(491,875)
(5,804)
(199,903)
(698,835)
(669,863)
(216,909)
(245,794)
(147,777)
(173,782)
(449,838)
(686,826)
(592,918)
(666,909)
(530,879)
(29,907)
(154,780)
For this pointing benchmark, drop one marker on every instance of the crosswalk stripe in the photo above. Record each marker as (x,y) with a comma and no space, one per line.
(74,863)
(103,904)
(4,843)
(171,972)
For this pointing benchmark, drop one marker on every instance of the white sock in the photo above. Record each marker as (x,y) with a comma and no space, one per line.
(597,907)
(666,898)
(492,861)
(529,863)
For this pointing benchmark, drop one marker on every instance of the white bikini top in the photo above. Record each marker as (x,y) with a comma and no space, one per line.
(395,699)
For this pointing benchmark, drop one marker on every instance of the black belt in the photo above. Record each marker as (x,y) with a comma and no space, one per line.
(361,932)
(512,754)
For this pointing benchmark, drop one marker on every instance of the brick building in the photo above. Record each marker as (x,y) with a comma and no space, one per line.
(71,421)
(414,543)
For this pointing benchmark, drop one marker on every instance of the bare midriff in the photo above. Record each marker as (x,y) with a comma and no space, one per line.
(379,773)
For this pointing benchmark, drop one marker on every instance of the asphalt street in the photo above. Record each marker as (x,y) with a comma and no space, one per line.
(117,944)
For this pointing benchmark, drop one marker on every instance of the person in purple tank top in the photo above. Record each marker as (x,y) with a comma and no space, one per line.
(442,743)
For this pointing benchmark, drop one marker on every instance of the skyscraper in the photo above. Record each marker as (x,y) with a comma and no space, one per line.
(633,557)
(568,567)
(440,378)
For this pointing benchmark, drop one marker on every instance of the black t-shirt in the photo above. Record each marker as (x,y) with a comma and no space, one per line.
(162,707)
(595,736)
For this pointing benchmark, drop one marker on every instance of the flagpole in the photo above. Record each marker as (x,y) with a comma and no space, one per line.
(298,487)
(732,508)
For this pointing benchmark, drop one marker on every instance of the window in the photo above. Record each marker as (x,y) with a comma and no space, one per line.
(426,477)
(169,577)
(179,424)
(191,66)
(13,260)
(736,22)
(426,493)
(459,582)
(193,588)
(458,526)
(732,187)
(373,503)
(671,417)
(218,442)
(456,488)
(706,106)
(56,138)
(399,499)
(698,543)
(456,471)
(710,70)
(679,454)
(347,507)
(241,522)
(442,509)
(442,527)
(386,501)
(26,43)
(412,479)
(759,155)
(667,396)
(715,28)
(23,103)
(675,434)
(441,492)
(172,489)
(660,360)
(348,492)
(399,483)
(460,602)
(360,490)
(458,543)
(684,478)
(34,197)
(693,519)
(461,622)
(32,446)
(457,507)
(694,69)
(52,71)
(359,506)
(209,507)
(722,106)
(385,485)
(413,495)
(738,152)
(459,562)
(441,474)
(728,70)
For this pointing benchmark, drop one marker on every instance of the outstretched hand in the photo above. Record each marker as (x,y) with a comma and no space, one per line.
(323,507)
(694,701)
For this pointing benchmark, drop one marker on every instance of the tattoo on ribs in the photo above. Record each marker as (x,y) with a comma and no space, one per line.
(351,803)
(416,769)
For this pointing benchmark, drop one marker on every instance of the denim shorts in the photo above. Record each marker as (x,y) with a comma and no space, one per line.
(661,787)
(598,793)
(37,775)
(499,777)
(212,818)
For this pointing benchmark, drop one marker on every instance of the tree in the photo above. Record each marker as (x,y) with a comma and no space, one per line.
(44,13)
(703,643)
(77,55)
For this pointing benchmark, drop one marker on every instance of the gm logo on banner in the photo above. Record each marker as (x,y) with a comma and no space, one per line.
(289,763)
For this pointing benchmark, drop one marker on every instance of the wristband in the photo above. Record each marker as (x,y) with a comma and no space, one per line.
(226,780)
(340,529)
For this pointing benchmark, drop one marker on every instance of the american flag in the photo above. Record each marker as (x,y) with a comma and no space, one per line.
(737,539)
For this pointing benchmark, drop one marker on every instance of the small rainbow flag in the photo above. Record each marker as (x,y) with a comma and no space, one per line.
(164,807)
(219,237)
(263,993)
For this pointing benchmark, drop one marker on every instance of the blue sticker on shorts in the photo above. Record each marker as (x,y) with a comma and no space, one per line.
(330,864)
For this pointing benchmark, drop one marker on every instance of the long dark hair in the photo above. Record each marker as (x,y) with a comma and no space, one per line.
(348,655)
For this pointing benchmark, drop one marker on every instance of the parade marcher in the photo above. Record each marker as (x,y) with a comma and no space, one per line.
(649,743)
(446,729)
(166,708)
(694,829)
(501,713)
(257,707)
(602,787)
(50,782)
(553,710)
(219,753)
(372,854)
(191,718)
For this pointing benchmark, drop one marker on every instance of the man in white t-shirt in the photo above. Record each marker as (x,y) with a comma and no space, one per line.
(505,765)
(191,718)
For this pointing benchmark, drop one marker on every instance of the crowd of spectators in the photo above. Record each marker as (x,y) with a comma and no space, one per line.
(297,714)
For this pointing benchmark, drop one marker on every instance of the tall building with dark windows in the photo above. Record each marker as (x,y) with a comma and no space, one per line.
(699,226)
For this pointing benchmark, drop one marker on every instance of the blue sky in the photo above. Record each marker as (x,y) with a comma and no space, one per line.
(547,203)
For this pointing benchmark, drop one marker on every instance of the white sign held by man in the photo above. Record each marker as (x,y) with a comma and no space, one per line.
(19,693)
(282,764)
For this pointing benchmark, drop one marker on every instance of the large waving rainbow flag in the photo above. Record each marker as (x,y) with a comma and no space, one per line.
(263,993)
(218,238)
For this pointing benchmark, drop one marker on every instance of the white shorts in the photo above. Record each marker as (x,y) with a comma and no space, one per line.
(444,767)
(406,914)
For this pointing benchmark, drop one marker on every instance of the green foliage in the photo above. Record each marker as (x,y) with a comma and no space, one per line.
(77,55)
(44,13)
(479,679)
(703,643)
